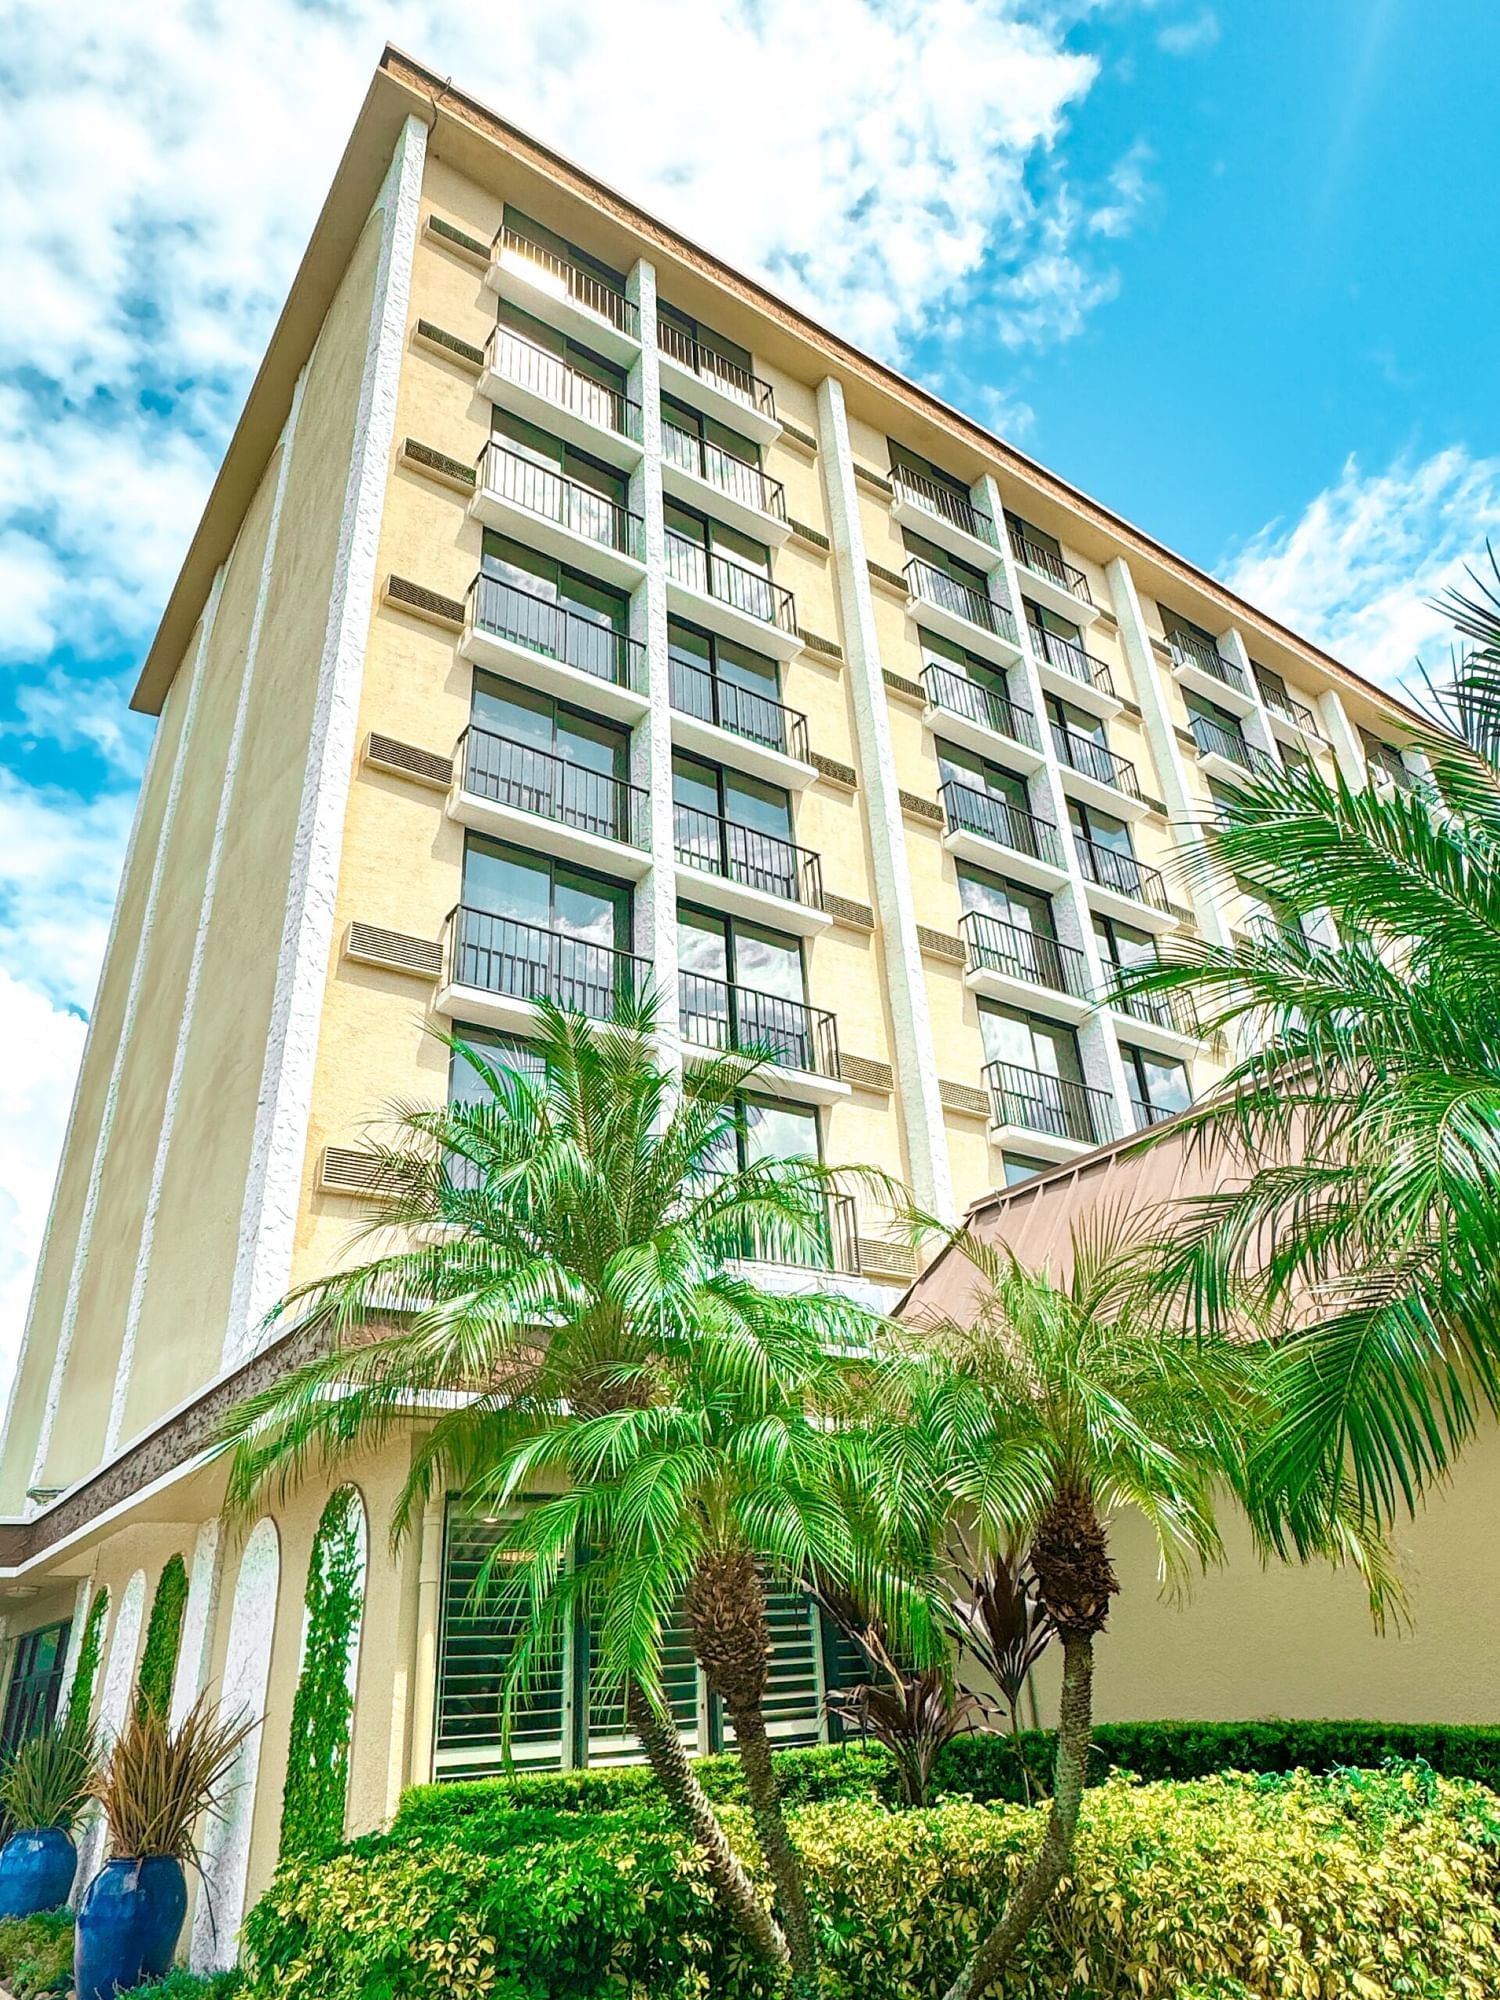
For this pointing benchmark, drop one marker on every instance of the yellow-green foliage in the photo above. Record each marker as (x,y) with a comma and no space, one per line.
(1357,1885)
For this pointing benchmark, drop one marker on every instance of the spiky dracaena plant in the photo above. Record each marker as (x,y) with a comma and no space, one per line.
(998,1623)
(1049,1407)
(47,1779)
(912,1710)
(553,1261)
(1361,1127)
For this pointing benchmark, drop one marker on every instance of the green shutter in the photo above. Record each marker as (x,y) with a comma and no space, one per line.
(477,1636)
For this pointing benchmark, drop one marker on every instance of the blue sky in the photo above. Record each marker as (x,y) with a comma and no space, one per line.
(1229,267)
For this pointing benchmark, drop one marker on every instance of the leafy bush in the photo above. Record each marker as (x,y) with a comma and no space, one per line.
(181,1985)
(36,1953)
(1233,1887)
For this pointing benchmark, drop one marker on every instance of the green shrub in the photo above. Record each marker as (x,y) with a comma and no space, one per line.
(1370,1885)
(182,1985)
(36,1953)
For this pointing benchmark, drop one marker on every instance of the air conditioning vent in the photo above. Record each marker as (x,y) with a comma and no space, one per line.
(394,951)
(407,761)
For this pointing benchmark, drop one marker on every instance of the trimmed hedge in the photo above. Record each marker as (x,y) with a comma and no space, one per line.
(979,1767)
(1382,1885)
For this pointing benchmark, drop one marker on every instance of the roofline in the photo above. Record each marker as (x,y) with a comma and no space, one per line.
(402,86)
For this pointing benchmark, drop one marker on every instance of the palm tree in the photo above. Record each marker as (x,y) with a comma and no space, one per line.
(557,1247)
(1362,1120)
(1044,1410)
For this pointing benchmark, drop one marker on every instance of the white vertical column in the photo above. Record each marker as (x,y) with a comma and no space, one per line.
(199,1618)
(273,1184)
(917,1069)
(1257,724)
(1348,751)
(651,743)
(1183,812)
(425,1665)
(1098,1050)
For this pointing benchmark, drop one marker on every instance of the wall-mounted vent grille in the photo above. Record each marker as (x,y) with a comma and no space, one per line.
(908,690)
(347,1170)
(394,951)
(875,480)
(835,772)
(919,808)
(796,435)
(454,238)
(854,916)
(886,1260)
(829,648)
(964,1098)
(891,578)
(804,533)
(937,944)
(438,465)
(449,344)
(407,761)
(867,1074)
(428,604)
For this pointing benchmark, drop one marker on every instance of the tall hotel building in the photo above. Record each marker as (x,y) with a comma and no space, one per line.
(570,612)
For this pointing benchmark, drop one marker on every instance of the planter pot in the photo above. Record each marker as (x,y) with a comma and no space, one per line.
(37,1867)
(129,1922)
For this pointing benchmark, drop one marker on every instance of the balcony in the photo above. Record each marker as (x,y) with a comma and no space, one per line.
(1064,668)
(706,476)
(1164,1022)
(1092,772)
(1386,766)
(1024,967)
(520,793)
(1051,581)
(1224,753)
(1121,886)
(739,726)
(565,295)
(1027,1106)
(1286,713)
(550,647)
(798,1044)
(839,1250)
(943,515)
(700,376)
(730,598)
(980,718)
(1199,665)
(1145,1115)
(496,970)
(748,873)
(978,823)
(957,611)
(562,516)
(541,387)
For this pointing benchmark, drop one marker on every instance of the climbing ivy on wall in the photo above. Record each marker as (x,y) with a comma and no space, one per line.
(81,1694)
(317,1777)
(163,1639)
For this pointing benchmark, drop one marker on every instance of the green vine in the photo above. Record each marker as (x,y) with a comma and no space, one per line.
(317,1778)
(81,1694)
(163,1638)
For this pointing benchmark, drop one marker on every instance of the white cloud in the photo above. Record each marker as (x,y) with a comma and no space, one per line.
(1359,568)
(1190,38)
(1129,192)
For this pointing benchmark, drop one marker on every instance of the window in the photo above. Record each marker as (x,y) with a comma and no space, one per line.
(699,347)
(714,538)
(535,928)
(1050,623)
(1101,830)
(952,661)
(741,986)
(512,563)
(1028,1042)
(1158,1085)
(990,895)
(1035,1075)
(571,354)
(707,431)
(1177,627)
(1121,945)
(554,455)
(1017,1168)
(499,1050)
(951,566)
(35,1683)
(548,239)
(734,825)
(531,752)
(568,1718)
(1038,538)
(722,682)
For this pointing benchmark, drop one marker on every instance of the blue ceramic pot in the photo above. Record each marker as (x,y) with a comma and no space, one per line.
(37,1867)
(129,1922)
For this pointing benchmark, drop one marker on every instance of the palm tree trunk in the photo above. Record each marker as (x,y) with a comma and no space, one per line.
(695,1815)
(754,1748)
(1074,1728)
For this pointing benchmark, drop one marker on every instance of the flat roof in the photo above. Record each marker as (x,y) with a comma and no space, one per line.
(402,87)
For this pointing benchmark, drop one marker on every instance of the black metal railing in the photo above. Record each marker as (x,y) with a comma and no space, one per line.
(720,469)
(547,375)
(933,497)
(524,962)
(1111,869)
(1214,739)
(1095,760)
(540,490)
(585,288)
(1172,1011)
(934,586)
(710,366)
(1047,562)
(1281,702)
(1188,650)
(993,945)
(1383,760)
(733,583)
(745,855)
(742,711)
(717,1015)
(1071,659)
(1147,1114)
(977,703)
(528,780)
(1052,1104)
(503,612)
(968,810)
